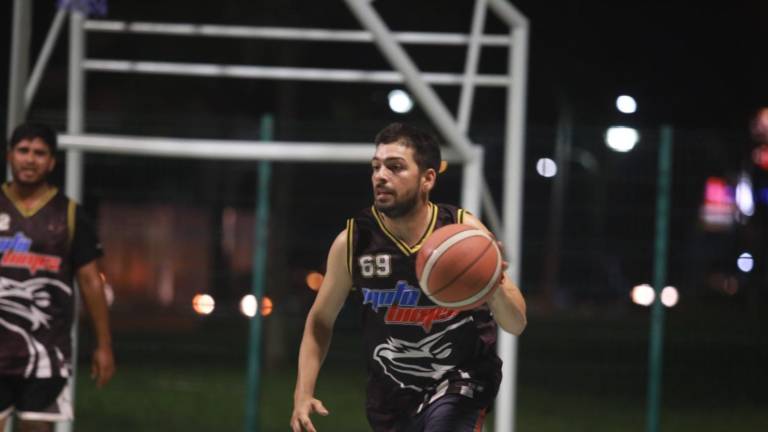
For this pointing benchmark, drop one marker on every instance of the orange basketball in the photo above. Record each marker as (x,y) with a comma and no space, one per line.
(459,266)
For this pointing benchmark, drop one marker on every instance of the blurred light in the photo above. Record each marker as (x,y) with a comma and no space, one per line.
(626,104)
(314,280)
(248,305)
(266,306)
(546,167)
(669,296)
(400,101)
(717,212)
(744,198)
(760,125)
(643,295)
(203,304)
(621,138)
(745,262)
(760,156)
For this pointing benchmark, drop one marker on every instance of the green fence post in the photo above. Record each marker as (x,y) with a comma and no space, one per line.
(656,340)
(258,279)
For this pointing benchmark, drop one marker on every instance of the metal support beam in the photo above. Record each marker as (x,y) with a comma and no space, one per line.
(509,14)
(513,213)
(19,63)
(283,73)
(491,212)
(43,57)
(470,68)
(472,181)
(225,149)
(73,181)
(400,60)
(75,102)
(286,33)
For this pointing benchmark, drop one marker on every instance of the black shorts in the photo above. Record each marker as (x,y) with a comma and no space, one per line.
(40,399)
(450,413)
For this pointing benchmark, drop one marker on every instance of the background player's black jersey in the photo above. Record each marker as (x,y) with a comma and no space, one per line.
(40,250)
(416,350)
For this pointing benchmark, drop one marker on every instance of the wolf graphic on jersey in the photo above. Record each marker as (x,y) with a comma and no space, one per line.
(26,306)
(428,358)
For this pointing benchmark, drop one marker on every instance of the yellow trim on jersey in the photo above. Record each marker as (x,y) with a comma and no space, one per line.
(350,243)
(31,211)
(71,209)
(408,250)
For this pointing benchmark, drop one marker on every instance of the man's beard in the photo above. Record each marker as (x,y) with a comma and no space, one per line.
(29,183)
(399,209)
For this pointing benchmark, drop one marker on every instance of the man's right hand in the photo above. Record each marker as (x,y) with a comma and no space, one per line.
(301,410)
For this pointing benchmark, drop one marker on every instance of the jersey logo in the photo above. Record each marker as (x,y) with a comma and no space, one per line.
(15,250)
(402,306)
(5,221)
(411,362)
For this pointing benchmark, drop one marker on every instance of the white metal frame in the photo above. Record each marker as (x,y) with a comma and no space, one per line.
(475,194)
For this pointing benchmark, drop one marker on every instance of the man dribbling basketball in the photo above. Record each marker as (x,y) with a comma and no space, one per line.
(430,368)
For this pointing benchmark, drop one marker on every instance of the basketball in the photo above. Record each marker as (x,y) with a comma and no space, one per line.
(459,266)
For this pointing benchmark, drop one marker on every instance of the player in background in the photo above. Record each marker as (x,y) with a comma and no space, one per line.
(45,242)
(429,368)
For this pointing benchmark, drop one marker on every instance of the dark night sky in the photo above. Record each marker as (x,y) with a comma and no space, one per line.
(687,63)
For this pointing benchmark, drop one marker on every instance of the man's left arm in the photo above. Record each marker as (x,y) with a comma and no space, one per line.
(507,303)
(92,290)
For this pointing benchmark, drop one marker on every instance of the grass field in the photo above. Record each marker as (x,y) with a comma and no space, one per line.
(575,374)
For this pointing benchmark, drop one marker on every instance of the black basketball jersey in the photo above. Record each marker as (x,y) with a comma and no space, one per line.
(40,250)
(416,350)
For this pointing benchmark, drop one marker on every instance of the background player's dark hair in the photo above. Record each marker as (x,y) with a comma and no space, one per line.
(31,131)
(426,149)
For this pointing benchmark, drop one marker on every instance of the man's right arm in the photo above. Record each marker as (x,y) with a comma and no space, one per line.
(317,334)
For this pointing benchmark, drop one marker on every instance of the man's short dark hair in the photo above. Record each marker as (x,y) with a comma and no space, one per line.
(30,131)
(426,149)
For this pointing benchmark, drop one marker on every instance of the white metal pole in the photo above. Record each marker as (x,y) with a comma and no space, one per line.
(472,182)
(399,59)
(508,13)
(491,212)
(75,102)
(19,63)
(280,72)
(285,33)
(74,165)
(470,68)
(512,214)
(42,59)
(284,151)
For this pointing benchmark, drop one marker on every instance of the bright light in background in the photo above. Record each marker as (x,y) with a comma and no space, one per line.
(744,199)
(546,167)
(400,101)
(621,138)
(745,262)
(203,304)
(249,305)
(643,295)
(266,306)
(314,280)
(669,296)
(626,104)
(718,210)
